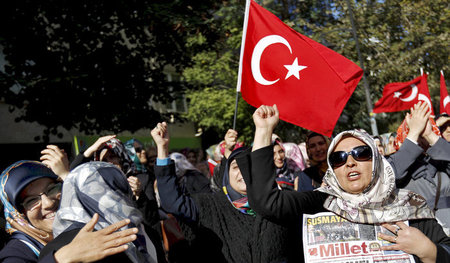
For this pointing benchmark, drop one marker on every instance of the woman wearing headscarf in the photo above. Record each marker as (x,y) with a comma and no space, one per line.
(136,151)
(228,230)
(316,147)
(286,176)
(294,156)
(30,193)
(360,187)
(100,188)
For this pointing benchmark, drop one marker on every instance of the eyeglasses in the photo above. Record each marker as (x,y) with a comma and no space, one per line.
(32,202)
(359,153)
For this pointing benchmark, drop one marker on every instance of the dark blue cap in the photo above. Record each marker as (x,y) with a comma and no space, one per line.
(22,173)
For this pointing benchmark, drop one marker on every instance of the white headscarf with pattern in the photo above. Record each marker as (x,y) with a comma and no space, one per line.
(380,201)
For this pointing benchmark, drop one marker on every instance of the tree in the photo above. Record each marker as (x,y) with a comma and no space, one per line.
(96,65)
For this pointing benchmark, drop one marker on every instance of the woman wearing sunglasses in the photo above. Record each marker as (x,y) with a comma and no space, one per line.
(360,187)
(30,193)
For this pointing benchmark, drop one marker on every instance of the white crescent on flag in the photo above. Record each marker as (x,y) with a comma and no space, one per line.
(257,53)
(446,101)
(413,95)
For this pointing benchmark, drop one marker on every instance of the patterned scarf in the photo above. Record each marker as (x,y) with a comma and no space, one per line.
(116,146)
(98,187)
(18,225)
(294,157)
(285,178)
(131,151)
(380,201)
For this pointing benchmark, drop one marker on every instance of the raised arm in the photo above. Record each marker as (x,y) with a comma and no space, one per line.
(87,155)
(172,199)
(410,150)
(258,171)
(56,159)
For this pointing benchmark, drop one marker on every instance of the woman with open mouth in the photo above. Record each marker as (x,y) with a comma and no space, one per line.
(359,188)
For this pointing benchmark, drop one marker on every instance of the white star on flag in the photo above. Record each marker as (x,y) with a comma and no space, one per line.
(294,69)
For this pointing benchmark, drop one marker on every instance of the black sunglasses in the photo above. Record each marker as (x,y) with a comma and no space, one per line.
(359,153)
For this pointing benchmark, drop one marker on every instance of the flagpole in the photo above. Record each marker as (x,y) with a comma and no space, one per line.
(238,85)
(235,110)
(373,122)
(244,33)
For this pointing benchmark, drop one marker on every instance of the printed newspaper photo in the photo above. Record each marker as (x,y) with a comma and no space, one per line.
(328,237)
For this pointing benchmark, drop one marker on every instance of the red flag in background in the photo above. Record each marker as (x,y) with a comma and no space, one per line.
(309,82)
(400,96)
(444,106)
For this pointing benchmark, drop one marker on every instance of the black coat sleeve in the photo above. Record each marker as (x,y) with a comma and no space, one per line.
(258,171)
(146,202)
(434,231)
(172,199)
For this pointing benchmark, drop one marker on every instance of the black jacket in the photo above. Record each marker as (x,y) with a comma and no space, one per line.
(223,233)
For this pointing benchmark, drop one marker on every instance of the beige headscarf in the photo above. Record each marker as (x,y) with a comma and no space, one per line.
(380,202)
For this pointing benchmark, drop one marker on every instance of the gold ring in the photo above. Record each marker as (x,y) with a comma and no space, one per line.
(395,239)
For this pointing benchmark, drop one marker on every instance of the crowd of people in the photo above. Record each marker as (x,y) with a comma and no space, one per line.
(125,202)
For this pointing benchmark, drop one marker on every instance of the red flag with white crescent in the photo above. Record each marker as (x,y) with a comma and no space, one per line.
(309,82)
(400,96)
(444,106)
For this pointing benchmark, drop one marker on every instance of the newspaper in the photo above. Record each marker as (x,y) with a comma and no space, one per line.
(328,237)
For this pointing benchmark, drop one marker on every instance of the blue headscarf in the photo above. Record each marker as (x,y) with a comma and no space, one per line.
(13,180)
(131,151)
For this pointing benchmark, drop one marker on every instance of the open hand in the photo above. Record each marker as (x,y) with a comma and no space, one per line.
(410,240)
(56,159)
(89,245)
(97,145)
(417,120)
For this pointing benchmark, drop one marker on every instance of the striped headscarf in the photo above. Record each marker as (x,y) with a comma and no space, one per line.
(117,147)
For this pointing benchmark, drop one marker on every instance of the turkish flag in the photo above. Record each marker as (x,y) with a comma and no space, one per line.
(444,106)
(309,82)
(400,96)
